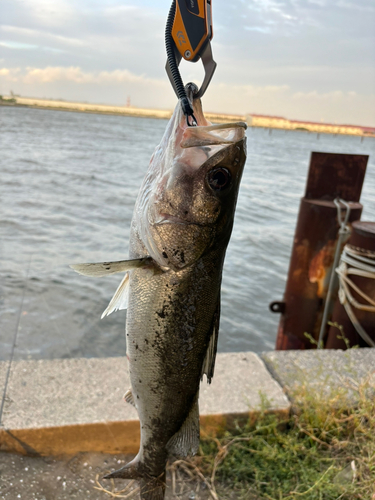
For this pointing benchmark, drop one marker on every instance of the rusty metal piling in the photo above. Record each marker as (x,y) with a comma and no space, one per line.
(330,176)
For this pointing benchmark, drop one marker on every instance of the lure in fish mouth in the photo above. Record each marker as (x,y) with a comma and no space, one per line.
(180,230)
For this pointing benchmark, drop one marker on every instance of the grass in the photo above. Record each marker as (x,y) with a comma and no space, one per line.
(323,451)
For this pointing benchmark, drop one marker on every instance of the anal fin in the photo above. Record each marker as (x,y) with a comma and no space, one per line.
(186,441)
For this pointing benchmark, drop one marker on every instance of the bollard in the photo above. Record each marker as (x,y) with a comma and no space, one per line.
(345,335)
(330,176)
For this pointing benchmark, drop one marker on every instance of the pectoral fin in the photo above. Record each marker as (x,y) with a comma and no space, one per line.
(119,300)
(209,361)
(129,398)
(106,268)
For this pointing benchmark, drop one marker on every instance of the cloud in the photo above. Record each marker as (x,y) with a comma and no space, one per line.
(290,57)
(40,34)
(9,75)
(47,13)
(261,29)
(113,87)
(75,74)
(335,96)
(283,100)
(277,16)
(255,90)
(18,45)
(356,6)
(336,106)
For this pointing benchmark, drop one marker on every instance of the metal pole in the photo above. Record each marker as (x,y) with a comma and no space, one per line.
(344,231)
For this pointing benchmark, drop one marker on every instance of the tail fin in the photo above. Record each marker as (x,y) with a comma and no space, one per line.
(152,488)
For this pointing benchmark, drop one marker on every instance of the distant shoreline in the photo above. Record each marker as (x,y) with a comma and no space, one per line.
(252,120)
(80,107)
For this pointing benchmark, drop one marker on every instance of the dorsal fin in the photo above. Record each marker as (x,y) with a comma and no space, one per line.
(209,360)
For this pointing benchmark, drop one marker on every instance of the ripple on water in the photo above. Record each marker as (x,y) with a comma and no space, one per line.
(69,184)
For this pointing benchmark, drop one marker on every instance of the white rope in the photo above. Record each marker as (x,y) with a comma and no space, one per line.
(354,262)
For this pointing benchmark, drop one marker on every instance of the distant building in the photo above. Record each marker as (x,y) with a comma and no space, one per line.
(255,120)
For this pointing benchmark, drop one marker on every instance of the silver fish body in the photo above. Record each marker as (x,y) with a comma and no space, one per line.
(181,227)
(173,316)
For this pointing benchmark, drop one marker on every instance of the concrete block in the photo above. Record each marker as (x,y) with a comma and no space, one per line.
(241,382)
(67,391)
(323,372)
(71,405)
(68,405)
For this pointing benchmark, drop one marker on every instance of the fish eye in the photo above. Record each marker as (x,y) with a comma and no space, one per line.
(219,178)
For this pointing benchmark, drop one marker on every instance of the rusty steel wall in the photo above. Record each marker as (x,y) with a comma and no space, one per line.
(330,176)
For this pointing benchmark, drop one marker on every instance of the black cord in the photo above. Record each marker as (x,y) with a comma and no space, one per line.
(181,92)
(14,342)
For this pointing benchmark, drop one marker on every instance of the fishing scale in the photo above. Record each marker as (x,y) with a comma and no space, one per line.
(188,35)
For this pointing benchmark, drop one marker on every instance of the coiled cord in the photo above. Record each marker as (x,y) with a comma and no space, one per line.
(181,92)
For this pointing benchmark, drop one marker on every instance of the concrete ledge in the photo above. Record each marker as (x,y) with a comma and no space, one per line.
(66,406)
(325,372)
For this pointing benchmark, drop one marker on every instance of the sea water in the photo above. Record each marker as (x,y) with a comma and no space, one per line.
(67,190)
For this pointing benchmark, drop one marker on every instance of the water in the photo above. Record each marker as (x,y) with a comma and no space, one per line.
(68,186)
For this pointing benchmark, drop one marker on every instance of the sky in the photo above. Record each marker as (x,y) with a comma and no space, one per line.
(302,59)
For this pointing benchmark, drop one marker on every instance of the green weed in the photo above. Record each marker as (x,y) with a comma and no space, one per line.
(324,451)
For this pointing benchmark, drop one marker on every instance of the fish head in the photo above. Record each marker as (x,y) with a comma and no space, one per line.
(187,202)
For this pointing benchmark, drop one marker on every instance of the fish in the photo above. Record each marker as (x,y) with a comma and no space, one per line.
(181,226)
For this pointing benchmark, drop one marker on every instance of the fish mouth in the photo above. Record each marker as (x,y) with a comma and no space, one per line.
(218,126)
